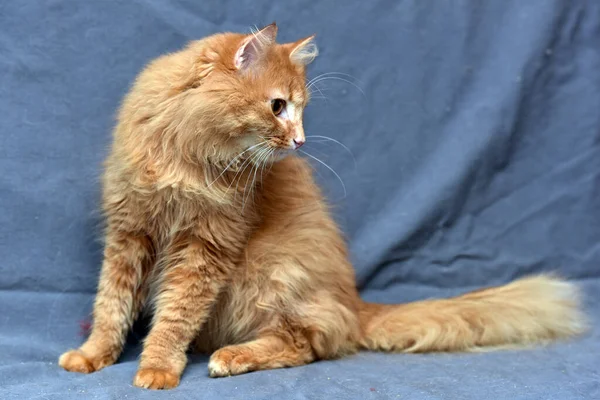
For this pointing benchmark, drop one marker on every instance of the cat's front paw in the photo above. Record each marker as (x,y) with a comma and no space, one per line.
(152,378)
(76,361)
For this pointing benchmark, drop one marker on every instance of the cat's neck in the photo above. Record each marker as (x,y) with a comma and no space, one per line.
(234,184)
(155,170)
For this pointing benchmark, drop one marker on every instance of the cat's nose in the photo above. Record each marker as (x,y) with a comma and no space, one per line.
(298,142)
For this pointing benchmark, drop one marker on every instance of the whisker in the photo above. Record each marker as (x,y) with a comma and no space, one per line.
(262,162)
(333,73)
(239,179)
(259,158)
(322,89)
(263,157)
(265,162)
(231,163)
(319,90)
(321,152)
(324,76)
(262,170)
(328,167)
(271,163)
(240,171)
(338,79)
(254,163)
(337,142)
(246,187)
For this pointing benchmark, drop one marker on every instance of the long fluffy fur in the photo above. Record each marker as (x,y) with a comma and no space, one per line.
(234,249)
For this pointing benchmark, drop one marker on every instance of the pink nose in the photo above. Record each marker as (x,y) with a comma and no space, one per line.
(298,143)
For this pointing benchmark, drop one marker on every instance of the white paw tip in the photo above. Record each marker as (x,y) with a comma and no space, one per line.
(217,368)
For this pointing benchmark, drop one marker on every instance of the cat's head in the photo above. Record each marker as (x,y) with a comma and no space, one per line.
(255,94)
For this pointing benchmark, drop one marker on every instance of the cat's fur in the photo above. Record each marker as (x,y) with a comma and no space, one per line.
(246,262)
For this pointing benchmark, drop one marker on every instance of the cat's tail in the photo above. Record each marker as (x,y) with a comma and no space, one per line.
(531,310)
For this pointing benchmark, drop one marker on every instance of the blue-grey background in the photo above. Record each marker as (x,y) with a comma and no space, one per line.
(477,160)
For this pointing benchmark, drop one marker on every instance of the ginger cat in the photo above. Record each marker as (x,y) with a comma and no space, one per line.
(217,227)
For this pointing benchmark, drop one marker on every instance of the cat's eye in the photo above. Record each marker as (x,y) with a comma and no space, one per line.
(277,106)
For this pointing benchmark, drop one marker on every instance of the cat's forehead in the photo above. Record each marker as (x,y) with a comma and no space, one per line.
(292,88)
(285,79)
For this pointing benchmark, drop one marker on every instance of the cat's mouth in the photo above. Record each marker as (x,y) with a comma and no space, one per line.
(282,152)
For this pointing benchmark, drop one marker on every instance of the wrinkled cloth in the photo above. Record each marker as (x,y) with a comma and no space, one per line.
(473,131)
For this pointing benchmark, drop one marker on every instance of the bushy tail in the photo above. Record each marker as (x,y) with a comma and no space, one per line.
(527,311)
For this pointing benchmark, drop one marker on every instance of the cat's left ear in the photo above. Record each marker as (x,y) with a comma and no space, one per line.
(304,51)
(254,46)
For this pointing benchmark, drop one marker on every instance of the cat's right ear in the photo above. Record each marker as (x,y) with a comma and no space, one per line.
(304,51)
(254,46)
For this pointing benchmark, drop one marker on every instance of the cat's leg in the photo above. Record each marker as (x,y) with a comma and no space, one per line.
(121,293)
(270,350)
(189,286)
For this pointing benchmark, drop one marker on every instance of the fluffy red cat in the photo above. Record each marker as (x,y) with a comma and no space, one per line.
(217,227)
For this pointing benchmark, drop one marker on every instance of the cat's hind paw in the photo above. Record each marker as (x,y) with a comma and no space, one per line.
(227,362)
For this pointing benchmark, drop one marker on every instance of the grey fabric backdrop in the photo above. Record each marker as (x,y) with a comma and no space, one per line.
(477,155)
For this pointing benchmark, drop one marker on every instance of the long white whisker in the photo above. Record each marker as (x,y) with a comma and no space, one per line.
(338,79)
(328,167)
(257,164)
(269,154)
(332,140)
(262,162)
(319,90)
(232,161)
(318,78)
(332,73)
(322,153)
(241,170)
(272,162)
(241,175)
(261,159)
(335,141)
(254,165)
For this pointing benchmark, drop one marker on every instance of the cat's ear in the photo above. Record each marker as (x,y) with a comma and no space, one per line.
(304,51)
(254,46)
